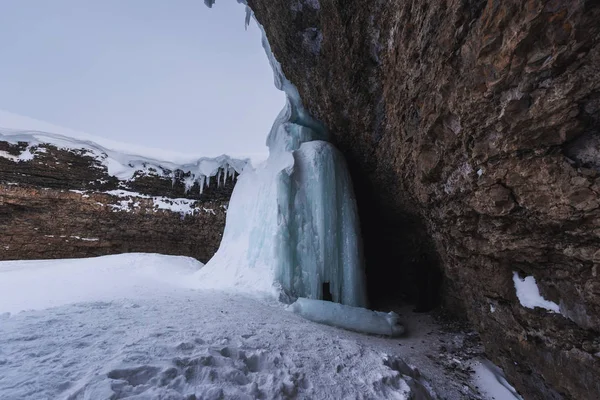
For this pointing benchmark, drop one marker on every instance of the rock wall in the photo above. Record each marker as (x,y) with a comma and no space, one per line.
(472,131)
(63,204)
(49,223)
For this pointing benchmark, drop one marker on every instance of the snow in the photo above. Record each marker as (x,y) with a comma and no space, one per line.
(131,325)
(121,160)
(178,205)
(26,155)
(11,157)
(347,317)
(49,283)
(135,326)
(529,295)
(292,224)
(84,239)
(492,382)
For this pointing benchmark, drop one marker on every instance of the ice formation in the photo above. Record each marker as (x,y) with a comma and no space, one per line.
(347,317)
(292,226)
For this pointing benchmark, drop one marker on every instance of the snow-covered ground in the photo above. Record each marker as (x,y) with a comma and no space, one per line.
(134,326)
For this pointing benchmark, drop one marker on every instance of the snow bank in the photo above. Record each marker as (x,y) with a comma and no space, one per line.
(529,294)
(121,160)
(347,317)
(42,284)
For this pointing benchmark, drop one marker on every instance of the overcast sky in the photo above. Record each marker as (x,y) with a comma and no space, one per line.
(167,74)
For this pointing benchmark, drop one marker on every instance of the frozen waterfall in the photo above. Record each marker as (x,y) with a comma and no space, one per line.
(292,226)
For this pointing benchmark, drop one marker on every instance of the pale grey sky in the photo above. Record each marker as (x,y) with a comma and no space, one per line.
(167,74)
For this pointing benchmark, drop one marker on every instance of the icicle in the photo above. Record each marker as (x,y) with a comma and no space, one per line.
(248,16)
(219,178)
(201,182)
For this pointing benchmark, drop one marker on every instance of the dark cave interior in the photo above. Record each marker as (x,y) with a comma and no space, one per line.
(402,266)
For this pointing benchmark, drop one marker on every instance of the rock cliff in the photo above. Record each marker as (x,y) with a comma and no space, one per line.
(58,202)
(472,131)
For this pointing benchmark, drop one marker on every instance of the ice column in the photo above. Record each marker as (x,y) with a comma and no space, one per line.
(292,226)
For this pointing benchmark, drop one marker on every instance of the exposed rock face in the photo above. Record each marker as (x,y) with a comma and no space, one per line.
(49,223)
(63,204)
(472,131)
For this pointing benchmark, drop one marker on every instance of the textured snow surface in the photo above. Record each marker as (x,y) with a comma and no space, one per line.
(134,326)
(130,325)
(529,294)
(121,160)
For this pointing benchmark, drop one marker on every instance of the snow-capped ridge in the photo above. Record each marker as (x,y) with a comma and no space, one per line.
(121,160)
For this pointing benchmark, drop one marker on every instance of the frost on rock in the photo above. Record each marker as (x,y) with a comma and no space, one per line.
(347,317)
(529,294)
(292,227)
